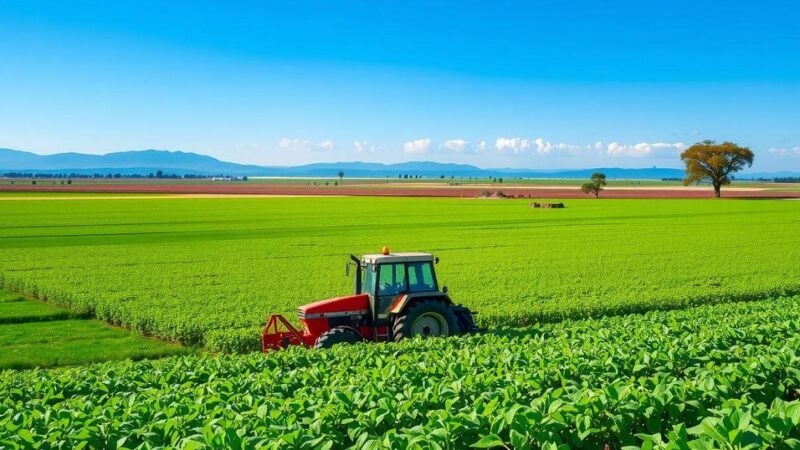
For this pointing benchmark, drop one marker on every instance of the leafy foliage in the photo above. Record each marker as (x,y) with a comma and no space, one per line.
(185,268)
(723,376)
(595,185)
(714,162)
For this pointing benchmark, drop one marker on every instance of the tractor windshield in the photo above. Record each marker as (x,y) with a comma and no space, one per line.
(392,279)
(383,280)
(420,277)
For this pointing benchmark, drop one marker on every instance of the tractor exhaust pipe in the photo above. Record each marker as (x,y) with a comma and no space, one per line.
(358,272)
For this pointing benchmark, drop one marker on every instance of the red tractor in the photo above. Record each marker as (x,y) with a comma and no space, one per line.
(396,296)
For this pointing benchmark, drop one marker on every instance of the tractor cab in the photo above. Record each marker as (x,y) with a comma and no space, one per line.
(386,277)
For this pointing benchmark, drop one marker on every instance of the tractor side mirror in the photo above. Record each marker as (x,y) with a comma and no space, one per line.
(347,269)
(436,260)
(444,289)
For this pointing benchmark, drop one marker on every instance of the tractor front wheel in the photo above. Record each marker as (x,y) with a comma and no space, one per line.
(338,335)
(427,318)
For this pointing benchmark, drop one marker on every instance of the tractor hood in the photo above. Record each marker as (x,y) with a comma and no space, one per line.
(350,305)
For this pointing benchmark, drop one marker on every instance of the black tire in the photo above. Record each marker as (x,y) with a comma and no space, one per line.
(338,335)
(434,313)
(466,322)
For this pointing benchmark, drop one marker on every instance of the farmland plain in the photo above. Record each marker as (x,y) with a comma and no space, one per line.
(210,270)
(615,371)
(717,376)
(470,187)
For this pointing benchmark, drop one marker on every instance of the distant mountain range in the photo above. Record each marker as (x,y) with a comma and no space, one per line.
(184,163)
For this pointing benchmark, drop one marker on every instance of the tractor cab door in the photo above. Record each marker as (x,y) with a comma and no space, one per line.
(392,282)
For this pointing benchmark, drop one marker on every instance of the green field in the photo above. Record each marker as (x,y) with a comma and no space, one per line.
(722,376)
(719,371)
(30,311)
(37,334)
(183,268)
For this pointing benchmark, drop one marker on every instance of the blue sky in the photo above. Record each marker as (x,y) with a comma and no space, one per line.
(550,84)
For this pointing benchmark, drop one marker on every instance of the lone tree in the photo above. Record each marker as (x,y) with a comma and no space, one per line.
(595,185)
(340,175)
(714,162)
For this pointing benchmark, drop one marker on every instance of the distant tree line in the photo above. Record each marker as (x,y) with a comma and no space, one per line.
(158,174)
(39,175)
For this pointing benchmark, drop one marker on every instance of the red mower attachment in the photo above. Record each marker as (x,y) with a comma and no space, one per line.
(279,333)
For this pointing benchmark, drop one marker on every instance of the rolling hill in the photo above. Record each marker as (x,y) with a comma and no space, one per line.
(183,163)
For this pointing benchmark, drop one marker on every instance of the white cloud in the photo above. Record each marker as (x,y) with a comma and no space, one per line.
(544,147)
(302,144)
(514,145)
(615,148)
(365,147)
(289,143)
(642,148)
(785,151)
(457,146)
(541,146)
(417,146)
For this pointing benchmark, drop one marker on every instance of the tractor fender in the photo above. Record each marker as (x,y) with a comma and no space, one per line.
(406,299)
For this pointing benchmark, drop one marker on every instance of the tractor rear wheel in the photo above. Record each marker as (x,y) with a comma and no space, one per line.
(427,318)
(338,335)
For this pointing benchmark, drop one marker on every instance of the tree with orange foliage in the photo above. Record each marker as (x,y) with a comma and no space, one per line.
(714,162)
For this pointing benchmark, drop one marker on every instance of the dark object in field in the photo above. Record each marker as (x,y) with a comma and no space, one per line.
(546,205)
(498,194)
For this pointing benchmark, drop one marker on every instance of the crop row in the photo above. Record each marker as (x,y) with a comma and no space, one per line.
(714,376)
(209,271)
